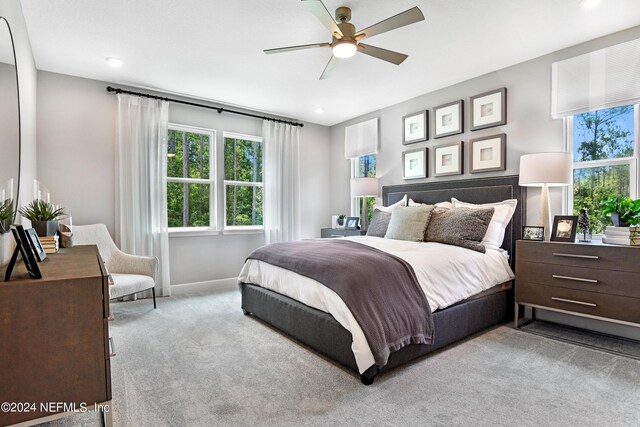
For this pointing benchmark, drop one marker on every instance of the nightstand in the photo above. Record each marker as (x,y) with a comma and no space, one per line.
(582,279)
(340,232)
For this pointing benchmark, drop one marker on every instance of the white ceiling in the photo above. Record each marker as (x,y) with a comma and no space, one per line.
(213,49)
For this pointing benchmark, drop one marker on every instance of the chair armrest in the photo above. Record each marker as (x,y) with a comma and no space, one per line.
(133,264)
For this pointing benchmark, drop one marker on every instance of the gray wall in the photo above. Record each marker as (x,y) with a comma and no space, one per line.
(76,152)
(529,125)
(12,11)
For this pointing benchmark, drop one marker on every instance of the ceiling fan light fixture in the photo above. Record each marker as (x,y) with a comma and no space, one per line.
(344,49)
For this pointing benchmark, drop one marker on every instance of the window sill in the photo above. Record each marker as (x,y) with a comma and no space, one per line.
(247,229)
(193,232)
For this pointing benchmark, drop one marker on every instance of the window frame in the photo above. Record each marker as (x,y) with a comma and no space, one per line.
(212,182)
(225,182)
(632,161)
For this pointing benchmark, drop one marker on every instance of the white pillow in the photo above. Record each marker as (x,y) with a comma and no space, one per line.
(501,216)
(402,202)
(445,205)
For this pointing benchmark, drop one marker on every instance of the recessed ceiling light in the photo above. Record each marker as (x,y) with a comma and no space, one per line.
(590,4)
(319,110)
(114,62)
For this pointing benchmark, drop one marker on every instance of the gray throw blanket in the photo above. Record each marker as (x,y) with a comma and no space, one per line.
(380,290)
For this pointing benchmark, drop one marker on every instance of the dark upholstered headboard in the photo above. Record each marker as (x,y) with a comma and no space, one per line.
(479,190)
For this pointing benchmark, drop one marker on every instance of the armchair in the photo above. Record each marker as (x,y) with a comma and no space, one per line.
(130,273)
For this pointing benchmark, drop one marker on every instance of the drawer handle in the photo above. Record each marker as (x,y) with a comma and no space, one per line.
(590,304)
(112,347)
(576,256)
(579,279)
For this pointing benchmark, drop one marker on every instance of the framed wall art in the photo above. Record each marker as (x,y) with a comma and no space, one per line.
(448,159)
(414,164)
(415,127)
(488,154)
(448,119)
(489,109)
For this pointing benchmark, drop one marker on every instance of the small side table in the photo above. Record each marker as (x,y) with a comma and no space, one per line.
(340,232)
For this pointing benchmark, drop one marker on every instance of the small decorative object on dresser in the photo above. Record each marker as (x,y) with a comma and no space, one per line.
(488,154)
(415,127)
(38,250)
(43,216)
(626,236)
(585,226)
(624,211)
(583,279)
(448,159)
(23,247)
(564,228)
(351,223)
(448,119)
(489,109)
(530,232)
(414,164)
(65,231)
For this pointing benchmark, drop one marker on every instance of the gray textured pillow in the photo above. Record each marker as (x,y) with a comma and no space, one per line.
(409,223)
(463,227)
(379,223)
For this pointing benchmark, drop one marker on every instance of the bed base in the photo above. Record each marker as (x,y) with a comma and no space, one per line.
(321,332)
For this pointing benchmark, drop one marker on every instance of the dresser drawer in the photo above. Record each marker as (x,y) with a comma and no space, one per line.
(620,283)
(579,301)
(580,255)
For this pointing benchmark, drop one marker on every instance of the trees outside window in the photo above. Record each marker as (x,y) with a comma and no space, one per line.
(243,185)
(363,167)
(604,145)
(190,177)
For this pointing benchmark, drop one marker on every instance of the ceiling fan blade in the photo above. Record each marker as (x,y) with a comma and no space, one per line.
(331,66)
(292,48)
(407,17)
(319,10)
(384,54)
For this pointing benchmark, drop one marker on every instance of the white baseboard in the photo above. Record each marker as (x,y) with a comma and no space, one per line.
(228,284)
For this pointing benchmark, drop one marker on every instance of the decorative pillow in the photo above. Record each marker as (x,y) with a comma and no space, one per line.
(402,202)
(503,212)
(446,205)
(464,227)
(409,223)
(379,223)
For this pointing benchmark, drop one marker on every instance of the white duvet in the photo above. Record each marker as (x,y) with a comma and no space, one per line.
(447,274)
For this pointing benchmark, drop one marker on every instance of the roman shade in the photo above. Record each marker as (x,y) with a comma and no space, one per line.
(601,79)
(361,139)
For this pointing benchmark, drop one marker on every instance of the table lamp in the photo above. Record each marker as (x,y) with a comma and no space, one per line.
(364,187)
(546,170)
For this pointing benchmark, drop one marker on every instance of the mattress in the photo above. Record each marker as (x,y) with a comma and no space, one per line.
(447,274)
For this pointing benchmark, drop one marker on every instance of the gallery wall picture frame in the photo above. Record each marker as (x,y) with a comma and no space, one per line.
(414,164)
(448,159)
(448,119)
(415,127)
(488,154)
(564,228)
(489,109)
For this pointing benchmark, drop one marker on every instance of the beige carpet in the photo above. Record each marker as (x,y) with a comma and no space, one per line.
(197,361)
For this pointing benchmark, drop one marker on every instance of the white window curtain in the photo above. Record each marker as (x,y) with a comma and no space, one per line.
(597,80)
(281,181)
(361,139)
(141,170)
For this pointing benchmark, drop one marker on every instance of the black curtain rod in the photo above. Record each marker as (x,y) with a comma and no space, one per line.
(220,110)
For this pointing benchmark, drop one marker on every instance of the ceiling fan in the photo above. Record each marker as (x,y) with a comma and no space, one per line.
(346,41)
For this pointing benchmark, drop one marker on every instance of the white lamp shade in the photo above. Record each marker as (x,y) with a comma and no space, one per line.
(364,187)
(553,169)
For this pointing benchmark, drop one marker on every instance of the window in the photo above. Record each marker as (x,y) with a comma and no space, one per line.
(191,177)
(605,153)
(363,167)
(243,189)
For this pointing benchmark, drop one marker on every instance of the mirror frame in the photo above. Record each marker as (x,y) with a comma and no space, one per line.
(15,60)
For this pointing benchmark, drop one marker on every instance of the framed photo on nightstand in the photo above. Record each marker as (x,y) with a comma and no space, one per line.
(530,232)
(564,228)
(351,223)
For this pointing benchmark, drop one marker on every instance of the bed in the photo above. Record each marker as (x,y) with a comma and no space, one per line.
(324,334)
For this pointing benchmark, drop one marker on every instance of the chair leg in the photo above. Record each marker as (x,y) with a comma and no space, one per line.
(153,291)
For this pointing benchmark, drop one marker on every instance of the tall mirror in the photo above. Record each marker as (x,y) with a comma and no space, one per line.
(9,129)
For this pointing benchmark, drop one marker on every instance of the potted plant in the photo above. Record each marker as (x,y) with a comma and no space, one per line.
(42,216)
(341,219)
(6,215)
(624,211)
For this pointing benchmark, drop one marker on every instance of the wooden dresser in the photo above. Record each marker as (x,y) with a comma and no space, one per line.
(583,279)
(54,339)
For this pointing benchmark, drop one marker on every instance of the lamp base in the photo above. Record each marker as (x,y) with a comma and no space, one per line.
(546,212)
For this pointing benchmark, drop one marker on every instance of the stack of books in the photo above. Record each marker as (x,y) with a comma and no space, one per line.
(627,236)
(50,244)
